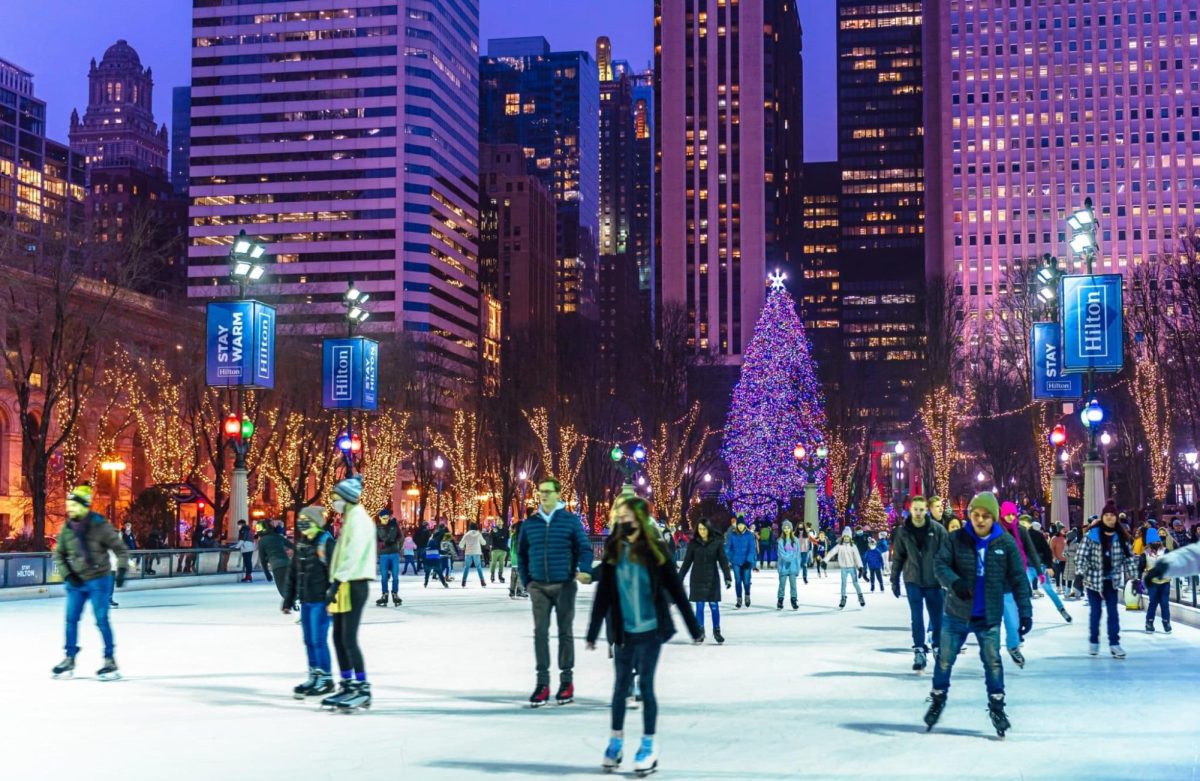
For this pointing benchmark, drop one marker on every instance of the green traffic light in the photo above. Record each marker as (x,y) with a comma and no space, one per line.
(616,454)
(247,428)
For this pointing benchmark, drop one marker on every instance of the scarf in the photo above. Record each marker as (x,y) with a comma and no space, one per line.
(1015,531)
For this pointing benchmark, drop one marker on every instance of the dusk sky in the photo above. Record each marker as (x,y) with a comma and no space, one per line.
(55,39)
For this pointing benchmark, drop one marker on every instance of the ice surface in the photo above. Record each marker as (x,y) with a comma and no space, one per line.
(813,694)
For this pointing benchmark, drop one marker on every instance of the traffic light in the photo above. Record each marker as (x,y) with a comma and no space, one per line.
(247,428)
(233,427)
(1058,436)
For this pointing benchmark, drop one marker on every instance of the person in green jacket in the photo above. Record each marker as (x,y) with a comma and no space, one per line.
(82,557)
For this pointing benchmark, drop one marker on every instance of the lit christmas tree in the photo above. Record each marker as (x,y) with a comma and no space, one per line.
(777,404)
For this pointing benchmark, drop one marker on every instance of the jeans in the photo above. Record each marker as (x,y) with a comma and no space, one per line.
(559,597)
(410,561)
(433,567)
(473,560)
(1012,623)
(876,574)
(247,564)
(919,598)
(315,620)
(851,574)
(1109,601)
(345,633)
(804,561)
(1048,585)
(1059,568)
(1160,596)
(639,652)
(741,578)
(98,592)
(954,634)
(389,569)
(447,563)
(499,562)
(714,608)
(790,579)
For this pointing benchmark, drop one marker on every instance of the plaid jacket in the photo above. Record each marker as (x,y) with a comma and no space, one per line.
(1090,562)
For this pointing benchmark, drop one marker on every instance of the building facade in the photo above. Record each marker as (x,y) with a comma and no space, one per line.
(346,139)
(1037,110)
(548,103)
(882,209)
(728,129)
(820,292)
(181,137)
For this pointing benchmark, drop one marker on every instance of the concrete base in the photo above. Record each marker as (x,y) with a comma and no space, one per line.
(1059,510)
(1093,489)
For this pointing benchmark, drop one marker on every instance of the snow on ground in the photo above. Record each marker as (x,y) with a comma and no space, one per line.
(812,694)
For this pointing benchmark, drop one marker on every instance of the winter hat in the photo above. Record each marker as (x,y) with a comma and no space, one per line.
(350,489)
(985,500)
(81,494)
(847,534)
(870,543)
(1007,509)
(1110,507)
(313,514)
(787,526)
(1037,525)
(1152,536)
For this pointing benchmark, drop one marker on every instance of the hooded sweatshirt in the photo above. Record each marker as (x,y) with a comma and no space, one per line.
(978,609)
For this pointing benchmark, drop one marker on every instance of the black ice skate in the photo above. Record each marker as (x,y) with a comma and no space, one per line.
(382,601)
(997,714)
(109,671)
(779,604)
(747,599)
(718,636)
(1017,657)
(332,701)
(861,602)
(937,703)
(322,685)
(842,604)
(540,696)
(358,698)
(302,690)
(565,694)
(65,668)
(919,659)
(739,603)
(795,605)
(396,600)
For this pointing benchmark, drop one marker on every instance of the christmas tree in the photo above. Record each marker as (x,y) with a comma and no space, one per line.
(874,515)
(777,404)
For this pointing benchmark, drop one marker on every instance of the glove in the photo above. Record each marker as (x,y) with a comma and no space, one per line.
(1157,573)
(1025,625)
(75,580)
(896,589)
(728,584)
(120,577)
(331,594)
(962,590)
(1042,578)
(286,607)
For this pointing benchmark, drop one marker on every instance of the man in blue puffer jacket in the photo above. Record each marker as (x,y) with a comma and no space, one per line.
(551,549)
(741,550)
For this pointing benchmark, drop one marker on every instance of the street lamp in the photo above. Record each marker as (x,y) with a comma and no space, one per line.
(1092,416)
(809,465)
(980,476)
(245,264)
(438,465)
(113,466)
(629,464)
(1191,458)
(522,476)
(1083,227)
(353,300)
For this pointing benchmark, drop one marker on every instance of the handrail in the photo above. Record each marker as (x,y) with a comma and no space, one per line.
(38,569)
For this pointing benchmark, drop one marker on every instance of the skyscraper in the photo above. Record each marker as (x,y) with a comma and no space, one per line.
(41,181)
(882,211)
(548,103)
(346,139)
(1032,111)
(641,221)
(727,119)
(820,287)
(181,141)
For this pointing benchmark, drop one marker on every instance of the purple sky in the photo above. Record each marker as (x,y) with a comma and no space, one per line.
(55,39)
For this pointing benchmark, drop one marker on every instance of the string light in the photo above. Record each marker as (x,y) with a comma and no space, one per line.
(1150,395)
(566,462)
(462,451)
(943,418)
(673,448)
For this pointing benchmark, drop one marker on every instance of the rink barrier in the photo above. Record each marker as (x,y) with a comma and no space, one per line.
(22,570)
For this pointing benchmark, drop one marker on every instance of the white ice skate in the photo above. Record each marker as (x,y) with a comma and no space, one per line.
(646,761)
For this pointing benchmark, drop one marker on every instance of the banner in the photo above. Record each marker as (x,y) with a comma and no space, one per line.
(1049,381)
(350,374)
(1090,308)
(240,344)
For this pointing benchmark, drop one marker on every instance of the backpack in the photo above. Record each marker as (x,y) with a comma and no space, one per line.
(1134,600)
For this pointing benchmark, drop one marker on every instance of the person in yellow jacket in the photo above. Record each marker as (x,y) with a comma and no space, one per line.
(351,571)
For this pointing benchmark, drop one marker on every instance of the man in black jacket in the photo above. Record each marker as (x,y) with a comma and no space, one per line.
(914,549)
(977,564)
(498,540)
(421,540)
(273,550)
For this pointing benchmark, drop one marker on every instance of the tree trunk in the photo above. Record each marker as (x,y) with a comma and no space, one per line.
(37,488)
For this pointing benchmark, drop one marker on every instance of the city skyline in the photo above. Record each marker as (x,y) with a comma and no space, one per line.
(59,63)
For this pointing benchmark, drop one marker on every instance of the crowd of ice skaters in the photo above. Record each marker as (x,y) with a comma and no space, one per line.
(972,576)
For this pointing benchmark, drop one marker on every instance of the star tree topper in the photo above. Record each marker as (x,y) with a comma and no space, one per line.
(777,279)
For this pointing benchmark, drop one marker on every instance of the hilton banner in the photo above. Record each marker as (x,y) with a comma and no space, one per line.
(350,374)
(240,344)
(1093,323)
(1049,382)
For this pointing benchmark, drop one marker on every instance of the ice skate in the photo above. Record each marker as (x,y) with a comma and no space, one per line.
(738,604)
(861,602)
(109,671)
(747,599)
(322,685)
(937,703)
(331,702)
(795,605)
(565,694)
(718,636)
(613,755)
(1065,615)
(1017,657)
(997,714)
(1150,625)
(358,698)
(1117,651)
(396,600)
(919,660)
(703,637)
(1093,649)
(540,696)
(302,690)
(65,668)
(382,601)
(842,604)
(1166,627)
(779,604)
(646,761)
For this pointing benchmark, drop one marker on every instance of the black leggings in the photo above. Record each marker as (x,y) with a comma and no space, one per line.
(345,631)
(638,654)
(434,567)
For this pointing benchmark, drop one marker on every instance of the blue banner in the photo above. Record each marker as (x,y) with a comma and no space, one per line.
(1093,322)
(240,344)
(350,374)
(1049,382)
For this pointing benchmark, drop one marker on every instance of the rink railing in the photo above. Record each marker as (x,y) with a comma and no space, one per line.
(38,569)
(1184,591)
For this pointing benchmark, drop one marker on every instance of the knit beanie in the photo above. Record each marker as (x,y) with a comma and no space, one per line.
(1152,536)
(985,500)
(313,514)
(787,526)
(81,494)
(1007,509)
(350,489)
(1110,507)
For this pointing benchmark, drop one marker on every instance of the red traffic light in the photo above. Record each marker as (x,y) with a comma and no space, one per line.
(233,427)
(200,507)
(1058,435)
(355,444)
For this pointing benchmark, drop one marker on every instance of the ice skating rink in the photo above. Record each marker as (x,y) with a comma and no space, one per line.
(811,694)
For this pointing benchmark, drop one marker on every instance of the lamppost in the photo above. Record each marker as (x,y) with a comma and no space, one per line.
(899,478)
(113,466)
(438,465)
(809,465)
(1191,458)
(1106,439)
(629,464)
(522,477)
(1059,511)
(245,267)
(1093,468)
(353,300)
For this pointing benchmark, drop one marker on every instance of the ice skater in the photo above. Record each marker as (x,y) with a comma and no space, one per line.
(806,548)
(1106,563)
(850,562)
(472,546)
(977,565)
(873,561)
(82,556)
(1014,638)
(498,542)
(351,571)
(1159,592)
(389,558)
(740,548)
(273,550)
(433,558)
(308,582)
(787,564)
(637,582)
(1043,573)
(914,548)
(705,553)
(410,556)
(245,546)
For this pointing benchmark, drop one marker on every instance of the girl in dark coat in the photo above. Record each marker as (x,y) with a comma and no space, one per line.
(636,582)
(705,553)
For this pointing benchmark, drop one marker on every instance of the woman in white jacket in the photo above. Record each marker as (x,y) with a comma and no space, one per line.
(351,570)
(850,561)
